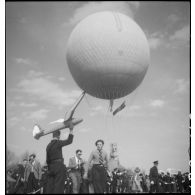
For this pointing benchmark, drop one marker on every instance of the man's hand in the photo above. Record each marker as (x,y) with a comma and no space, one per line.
(22,179)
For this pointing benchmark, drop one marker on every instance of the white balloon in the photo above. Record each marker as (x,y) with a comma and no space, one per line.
(108,55)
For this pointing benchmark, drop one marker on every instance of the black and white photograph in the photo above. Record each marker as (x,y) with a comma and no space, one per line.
(97,97)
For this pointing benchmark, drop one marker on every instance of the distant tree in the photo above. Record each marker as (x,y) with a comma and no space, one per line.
(11,159)
(25,155)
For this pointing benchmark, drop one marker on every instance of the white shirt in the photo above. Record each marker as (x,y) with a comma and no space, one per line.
(32,168)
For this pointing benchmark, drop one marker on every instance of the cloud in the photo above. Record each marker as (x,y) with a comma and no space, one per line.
(135,107)
(156,40)
(38,114)
(182,34)
(92,7)
(33,73)
(12,121)
(84,130)
(130,111)
(99,109)
(25,61)
(47,90)
(157,103)
(28,105)
(181,86)
(173,18)
(61,79)
(11,104)
(154,43)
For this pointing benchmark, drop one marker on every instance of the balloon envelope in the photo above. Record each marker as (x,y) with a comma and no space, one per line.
(108,55)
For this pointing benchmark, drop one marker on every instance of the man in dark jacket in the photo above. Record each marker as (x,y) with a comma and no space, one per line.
(154,180)
(55,161)
(179,180)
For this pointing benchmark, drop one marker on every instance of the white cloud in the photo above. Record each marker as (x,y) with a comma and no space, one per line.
(25,61)
(29,105)
(99,109)
(11,104)
(38,114)
(181,85)
(61,79)
(33,73)
(130,111)
(182,34)
(92,7)
(173,18)
(47,90)
(134,107)
(12,121)
(155,40)
(92,113)
(157,103)
(84,130)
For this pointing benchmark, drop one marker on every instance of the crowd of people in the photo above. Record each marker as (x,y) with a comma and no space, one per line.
(101,173)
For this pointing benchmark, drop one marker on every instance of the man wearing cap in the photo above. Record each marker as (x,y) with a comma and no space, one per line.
(154,183)
(99,158)
(55,161)
(32,174)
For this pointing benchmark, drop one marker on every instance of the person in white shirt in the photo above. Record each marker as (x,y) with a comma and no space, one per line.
(32,174)
(76,166)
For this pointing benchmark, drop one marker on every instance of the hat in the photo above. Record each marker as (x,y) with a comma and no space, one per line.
(137,170)
(99,140)
(155,162)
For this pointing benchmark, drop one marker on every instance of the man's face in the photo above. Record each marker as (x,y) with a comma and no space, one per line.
(32,158)
(99,145)
(79,154)
(114,147)
(24,162)
(156,164)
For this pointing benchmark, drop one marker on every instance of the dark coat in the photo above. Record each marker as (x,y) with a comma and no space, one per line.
(54,148)
(154,174)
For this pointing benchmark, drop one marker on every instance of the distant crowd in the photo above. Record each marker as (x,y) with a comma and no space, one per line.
(19,180)
(101,173)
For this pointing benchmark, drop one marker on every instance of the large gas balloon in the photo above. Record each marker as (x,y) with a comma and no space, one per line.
(108,55)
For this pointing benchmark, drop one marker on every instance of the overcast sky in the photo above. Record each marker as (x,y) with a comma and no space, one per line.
(40,88)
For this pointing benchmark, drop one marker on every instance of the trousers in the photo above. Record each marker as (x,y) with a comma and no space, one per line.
(76,180)
(99,178)
(32,183)
(56,178)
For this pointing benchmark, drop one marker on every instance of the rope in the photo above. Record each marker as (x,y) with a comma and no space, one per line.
(87,101)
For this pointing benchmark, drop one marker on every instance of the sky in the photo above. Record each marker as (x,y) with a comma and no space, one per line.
(40,89)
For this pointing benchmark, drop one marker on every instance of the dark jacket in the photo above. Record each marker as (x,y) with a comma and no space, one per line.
(54,148)
(154,174)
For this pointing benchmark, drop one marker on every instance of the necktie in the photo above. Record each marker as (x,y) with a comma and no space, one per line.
(79,164)
(100,157)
